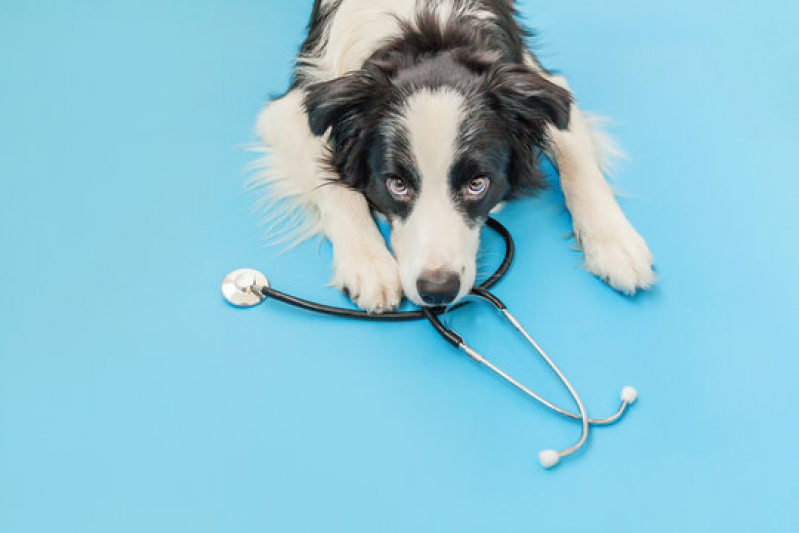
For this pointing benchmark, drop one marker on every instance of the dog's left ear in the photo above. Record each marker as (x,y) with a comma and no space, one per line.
(526,97)
(528,104)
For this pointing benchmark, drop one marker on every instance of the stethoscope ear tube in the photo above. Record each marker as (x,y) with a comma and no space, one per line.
(547,458)
(447,334)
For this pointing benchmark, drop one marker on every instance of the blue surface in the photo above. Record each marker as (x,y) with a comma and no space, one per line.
(133,399)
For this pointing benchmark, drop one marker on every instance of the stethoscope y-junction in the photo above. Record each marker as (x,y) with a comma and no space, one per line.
(248,288)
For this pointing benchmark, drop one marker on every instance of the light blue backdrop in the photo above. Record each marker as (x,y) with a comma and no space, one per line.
(133,399)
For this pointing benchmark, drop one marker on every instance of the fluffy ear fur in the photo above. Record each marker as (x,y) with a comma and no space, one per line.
(346,107)
(527,97)
(528,103)
(331,102)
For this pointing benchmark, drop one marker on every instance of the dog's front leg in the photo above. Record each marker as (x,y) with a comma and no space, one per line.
(614,251)
(363,266)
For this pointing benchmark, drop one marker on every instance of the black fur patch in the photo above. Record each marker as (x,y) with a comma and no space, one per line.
(509,106)
(321,17)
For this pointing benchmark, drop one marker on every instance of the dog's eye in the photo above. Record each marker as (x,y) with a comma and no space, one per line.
(477,188)
(398,188)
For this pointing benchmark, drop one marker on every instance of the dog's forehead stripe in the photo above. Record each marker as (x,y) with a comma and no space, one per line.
(432,120)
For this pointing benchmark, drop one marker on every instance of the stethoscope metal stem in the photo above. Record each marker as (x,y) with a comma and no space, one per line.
(475,356)
(548,458)
(563,379)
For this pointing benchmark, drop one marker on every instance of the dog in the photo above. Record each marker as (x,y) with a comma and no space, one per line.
(432,113)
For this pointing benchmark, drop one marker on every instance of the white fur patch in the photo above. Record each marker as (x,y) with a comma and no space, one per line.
(614,251)
(433,120)
(359,27)
(356,31)
(447,10)
(289,171)
(435,236)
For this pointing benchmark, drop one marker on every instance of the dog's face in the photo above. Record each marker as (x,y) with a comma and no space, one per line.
(435,149)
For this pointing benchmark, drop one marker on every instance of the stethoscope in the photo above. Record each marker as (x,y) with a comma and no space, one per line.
(249,288)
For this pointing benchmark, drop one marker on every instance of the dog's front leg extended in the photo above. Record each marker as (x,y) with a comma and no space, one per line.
(363,266)
(614,251)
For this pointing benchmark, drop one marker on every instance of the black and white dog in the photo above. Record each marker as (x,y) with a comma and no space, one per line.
(432,113)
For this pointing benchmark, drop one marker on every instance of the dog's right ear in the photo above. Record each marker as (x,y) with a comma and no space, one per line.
(346,107)
(338,103)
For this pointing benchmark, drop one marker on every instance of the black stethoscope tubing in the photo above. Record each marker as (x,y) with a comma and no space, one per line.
(431,314)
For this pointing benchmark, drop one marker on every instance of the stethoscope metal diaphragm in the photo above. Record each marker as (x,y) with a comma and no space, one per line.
(242,287)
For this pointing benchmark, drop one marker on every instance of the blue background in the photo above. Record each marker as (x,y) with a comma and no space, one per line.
(133,399)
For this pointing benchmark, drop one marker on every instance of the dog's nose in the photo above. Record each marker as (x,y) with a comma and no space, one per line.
(439,287)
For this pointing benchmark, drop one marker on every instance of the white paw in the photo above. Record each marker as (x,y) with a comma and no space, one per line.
(370,276)
(617,254)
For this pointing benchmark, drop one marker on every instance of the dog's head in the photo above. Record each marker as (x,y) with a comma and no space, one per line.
(435,147)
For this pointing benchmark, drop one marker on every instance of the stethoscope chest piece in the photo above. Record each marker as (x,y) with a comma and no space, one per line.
(241,287)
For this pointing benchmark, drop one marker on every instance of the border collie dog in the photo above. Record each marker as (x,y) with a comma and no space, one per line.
(433,113)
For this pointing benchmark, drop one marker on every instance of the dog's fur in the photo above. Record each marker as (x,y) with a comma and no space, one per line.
(433,112)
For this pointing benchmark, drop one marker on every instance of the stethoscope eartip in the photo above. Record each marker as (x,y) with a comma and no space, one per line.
(629,395)
(549,458)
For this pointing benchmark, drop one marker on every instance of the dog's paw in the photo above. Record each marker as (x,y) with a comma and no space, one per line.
(618,255)
(370,277)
